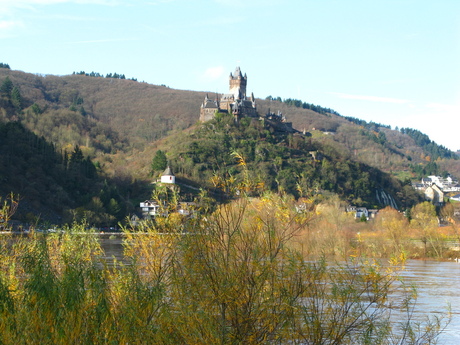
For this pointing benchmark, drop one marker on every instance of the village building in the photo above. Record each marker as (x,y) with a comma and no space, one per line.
(448,184)
(372,214)
(186,208)
(434,194)
(435,188)
(150,209)
(359,212)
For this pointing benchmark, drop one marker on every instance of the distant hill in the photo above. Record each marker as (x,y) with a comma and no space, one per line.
(120,123)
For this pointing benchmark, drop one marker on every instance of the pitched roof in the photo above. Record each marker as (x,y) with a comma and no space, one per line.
(167,172)
(237,73)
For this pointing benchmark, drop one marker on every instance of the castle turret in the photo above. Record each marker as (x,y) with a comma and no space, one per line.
(208,108)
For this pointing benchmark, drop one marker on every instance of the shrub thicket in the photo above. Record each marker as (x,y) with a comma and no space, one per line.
(232,276)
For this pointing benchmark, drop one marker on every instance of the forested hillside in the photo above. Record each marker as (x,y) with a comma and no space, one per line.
(44,179)
(57,186)
(221,149)
(103,114)
(108,115)
(116,125)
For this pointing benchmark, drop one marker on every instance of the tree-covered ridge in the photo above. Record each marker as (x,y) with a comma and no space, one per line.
(304,105)
(4,65)
(373,126)
(294,164)
(99,75)
(400,155)
(432,149)
(68,125)
(123,115)
(119,114)
(32,168)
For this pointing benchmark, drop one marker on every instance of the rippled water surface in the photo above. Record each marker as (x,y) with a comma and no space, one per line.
(438,286)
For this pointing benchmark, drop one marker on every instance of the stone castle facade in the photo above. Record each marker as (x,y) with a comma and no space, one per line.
(234,102)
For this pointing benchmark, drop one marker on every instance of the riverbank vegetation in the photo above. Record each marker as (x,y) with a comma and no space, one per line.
(256,270)
(252,271)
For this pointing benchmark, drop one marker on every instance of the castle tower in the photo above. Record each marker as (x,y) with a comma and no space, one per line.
(238,84)
(234,102)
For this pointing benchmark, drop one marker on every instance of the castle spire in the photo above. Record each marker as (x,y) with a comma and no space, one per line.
(238,72)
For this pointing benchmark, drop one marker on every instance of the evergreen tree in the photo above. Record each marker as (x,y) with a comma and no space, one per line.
(76,156)
(7,87)
(36,109)
(16,98)
(159,162)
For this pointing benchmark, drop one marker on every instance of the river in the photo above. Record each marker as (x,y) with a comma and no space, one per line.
(437,284)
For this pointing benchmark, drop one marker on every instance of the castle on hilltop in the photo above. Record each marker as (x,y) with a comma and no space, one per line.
(234,102)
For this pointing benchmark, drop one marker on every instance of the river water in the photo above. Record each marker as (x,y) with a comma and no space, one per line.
(438,287)
(437,284)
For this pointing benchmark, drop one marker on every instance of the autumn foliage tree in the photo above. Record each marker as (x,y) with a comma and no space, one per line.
(393,226)
(425,222)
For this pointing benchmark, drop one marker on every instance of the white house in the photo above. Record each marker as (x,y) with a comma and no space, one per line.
(149,208)
(361,211)
(446,184)
(452,188)
(358,211)
(418,186)
(427,181)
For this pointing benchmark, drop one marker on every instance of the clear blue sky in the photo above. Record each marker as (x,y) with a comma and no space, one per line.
(394,62)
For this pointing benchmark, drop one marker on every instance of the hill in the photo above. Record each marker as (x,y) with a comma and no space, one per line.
(221,150)
(44,179)
(119,124)
(108,115)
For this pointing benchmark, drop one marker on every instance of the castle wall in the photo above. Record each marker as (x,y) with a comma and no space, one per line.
(207,114)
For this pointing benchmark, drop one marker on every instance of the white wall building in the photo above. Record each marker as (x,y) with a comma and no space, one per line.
(168,176)
(149,208)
